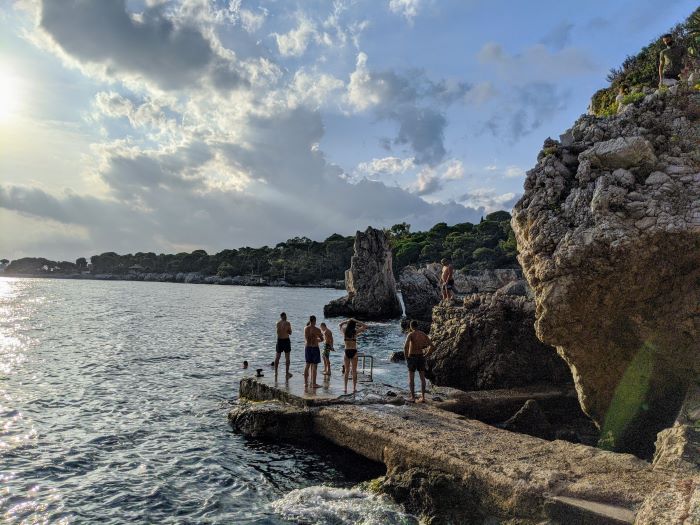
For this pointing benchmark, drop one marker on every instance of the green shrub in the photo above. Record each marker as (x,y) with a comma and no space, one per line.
(603,102)
(632,98)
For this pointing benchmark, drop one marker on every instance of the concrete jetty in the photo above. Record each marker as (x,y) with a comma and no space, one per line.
(452,469)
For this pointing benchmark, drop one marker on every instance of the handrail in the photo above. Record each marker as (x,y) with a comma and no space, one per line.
(362,373)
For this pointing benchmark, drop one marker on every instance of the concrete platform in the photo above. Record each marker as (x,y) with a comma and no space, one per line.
(493,473)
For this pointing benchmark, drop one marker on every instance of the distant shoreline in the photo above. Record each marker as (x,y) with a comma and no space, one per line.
(187,278)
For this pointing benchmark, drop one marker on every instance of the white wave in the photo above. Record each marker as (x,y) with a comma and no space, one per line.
(322,505)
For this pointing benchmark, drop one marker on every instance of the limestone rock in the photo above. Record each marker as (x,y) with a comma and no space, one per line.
(272,420)
(620,152)
(531,420)
(420,287)
(678,447)
(490,343)
(369,281)
(614,262)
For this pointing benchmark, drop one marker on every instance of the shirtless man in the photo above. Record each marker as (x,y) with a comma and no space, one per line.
(447,281)
(327,349)
(312,338)
(284,330)
(414,349)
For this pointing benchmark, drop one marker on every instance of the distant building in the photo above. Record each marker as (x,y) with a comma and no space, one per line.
(136,268)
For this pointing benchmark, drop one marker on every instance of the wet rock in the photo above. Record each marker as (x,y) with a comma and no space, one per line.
(433,494)
(369,281)
(397,357)
(613,262)
(272,420)
(530,420)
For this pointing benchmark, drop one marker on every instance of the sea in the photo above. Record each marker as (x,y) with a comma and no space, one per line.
(113,405)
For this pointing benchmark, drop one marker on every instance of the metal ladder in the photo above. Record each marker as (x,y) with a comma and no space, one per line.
(362,375)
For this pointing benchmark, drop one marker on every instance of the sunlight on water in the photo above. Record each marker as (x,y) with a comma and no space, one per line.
(113,402)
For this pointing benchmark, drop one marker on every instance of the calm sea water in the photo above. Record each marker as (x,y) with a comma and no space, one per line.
(113,403)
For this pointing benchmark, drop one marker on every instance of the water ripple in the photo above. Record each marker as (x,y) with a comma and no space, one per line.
(113,400)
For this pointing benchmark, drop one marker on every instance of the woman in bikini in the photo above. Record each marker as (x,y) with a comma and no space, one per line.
(350,330)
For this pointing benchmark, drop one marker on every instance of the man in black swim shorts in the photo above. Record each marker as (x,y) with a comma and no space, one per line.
(418,345)
(284,330)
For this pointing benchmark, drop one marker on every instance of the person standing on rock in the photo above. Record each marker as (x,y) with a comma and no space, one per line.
(327,349)
(670,61)
(447,281)
(284,330)
(350,330)
(312,353)
(417,342)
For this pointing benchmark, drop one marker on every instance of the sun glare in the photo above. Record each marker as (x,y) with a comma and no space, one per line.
(9,94)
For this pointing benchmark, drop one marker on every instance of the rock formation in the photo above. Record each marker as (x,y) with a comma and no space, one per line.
(531,420)
(490,343)
(608,231)
(369,281)
(420,287)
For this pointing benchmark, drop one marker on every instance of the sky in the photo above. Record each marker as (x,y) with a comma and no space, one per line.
(170,126)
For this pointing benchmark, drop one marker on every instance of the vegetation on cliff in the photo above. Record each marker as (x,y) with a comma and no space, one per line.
(642,70)
(489,244)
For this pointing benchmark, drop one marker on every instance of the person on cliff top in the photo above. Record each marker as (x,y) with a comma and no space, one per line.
(327,349)
(416,348)
(312,353)
(350,330)
(284,330)
(671,60)
(447,281)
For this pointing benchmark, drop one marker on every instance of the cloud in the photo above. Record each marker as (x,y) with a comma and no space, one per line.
(165,198)
(536,63)
(559,37)
(294,42)
(252,21)
(489,199)
(515,172)
(406,8)
(185,161)
(386,166)
(433,180)
(156,45)
(413,101)
(526,109)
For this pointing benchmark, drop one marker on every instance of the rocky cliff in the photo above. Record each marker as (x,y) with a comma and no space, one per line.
(490,343)
(608,231)
(420,287)
(369,281)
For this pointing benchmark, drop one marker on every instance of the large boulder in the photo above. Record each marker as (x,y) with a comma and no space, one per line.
(369,281)
(420,289)
(490,343)
(608,231)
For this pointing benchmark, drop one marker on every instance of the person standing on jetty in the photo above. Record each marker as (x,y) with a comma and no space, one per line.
(312,338)
(284,330)
(327,349)
(415,351)
(447,280)
(350,330)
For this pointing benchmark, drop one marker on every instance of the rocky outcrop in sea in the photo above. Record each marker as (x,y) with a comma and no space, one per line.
(609,236)
(369,281)
(489,343)
(420,286)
